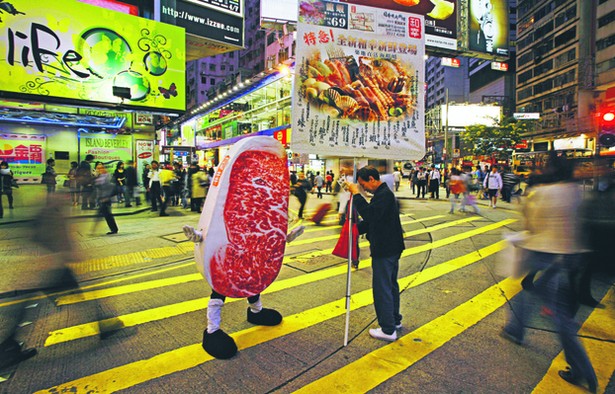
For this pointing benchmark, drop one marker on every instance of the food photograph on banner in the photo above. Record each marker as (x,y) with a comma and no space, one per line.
(359,81)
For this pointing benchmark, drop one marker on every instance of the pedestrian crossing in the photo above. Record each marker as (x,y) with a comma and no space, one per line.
(457,257)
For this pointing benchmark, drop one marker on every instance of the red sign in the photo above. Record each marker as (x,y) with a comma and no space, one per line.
(144,155)
(521,144)
(281,136)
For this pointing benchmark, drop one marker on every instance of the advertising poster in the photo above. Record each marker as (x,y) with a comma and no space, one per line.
(71,50)
(489,27)
(359,88)
(145,155)
(24,153)
(440,17)
(108,148)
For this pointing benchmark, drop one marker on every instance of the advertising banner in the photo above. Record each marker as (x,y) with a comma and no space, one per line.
(205,21)
(489,28)
(71,50)
(24,153)
(144,154)
(108,148)
(359,87)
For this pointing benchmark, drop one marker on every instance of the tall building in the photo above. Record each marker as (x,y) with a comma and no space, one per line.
(556,69)
(605,47)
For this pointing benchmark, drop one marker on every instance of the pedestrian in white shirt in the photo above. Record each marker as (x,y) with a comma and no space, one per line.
(434,182)
(493,185)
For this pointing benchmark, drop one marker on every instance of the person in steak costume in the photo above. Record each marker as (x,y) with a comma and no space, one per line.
(216,342)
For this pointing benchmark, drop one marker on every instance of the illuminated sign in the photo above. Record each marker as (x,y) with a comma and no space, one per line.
(526,115)
(499,66)
(440,17)
(489,28)
(203,21)
(228,6)
(66,49)
(472,114)
(24,153)
(115,6)
(451,62)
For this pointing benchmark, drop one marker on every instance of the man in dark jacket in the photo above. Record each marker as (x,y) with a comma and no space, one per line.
(85,181)
(386,239)
(131,183)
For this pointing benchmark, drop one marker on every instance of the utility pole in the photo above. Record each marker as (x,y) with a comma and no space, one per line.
(446,130)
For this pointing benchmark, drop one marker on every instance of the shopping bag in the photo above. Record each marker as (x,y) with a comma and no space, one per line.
(341,248)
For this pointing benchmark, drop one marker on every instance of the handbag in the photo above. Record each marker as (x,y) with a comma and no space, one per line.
(14,184)
(341,248)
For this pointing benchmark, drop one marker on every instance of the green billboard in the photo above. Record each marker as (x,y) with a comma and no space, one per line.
(70,50)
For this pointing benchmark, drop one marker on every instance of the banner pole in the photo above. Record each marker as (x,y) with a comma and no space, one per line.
(350,216)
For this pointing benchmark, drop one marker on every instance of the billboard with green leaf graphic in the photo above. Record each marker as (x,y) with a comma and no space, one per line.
(70,50)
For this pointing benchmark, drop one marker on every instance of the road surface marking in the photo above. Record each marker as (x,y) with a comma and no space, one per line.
(128,375)
(598,338)
(132,319)
(93,286)
(104,293)
(384,363)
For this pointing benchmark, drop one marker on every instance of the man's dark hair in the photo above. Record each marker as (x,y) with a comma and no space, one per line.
(89,157)
(367,171)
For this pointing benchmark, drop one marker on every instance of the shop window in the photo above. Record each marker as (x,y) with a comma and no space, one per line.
(212,67)
(212,81)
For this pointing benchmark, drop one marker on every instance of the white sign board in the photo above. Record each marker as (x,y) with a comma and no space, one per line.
(468,115)
(359,81)
(526,115)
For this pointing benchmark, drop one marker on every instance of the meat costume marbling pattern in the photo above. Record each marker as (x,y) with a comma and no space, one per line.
(245,219)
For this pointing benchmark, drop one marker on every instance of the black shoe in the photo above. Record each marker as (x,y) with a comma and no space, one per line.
(219,344)
(589,301)
(266,317)
(111,232)
(128,206)
(567,375)
(510,337)
(164,214)
(15,356)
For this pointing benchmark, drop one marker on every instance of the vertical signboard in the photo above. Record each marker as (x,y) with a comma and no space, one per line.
(359,86)
(489,26)
(70,50)
(144,154)
(24,153)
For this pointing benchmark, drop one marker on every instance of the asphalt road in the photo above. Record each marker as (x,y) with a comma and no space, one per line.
(454,299)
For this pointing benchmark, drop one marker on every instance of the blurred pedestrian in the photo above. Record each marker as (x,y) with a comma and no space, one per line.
(145,181)
(6,185)
(49,177)
(554,246)
(319,182)
(434,178)
(200,184)
(132,185)
(72,183)
(509,183)
(386,239)
(493,185)
(166,177)
(300,190)
(456,187)
(154,186)
(397,178)
(105,190)
(328,182)
(421,183)
(119,178)
(85,181)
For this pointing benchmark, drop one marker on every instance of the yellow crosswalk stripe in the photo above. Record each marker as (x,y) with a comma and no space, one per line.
(324,222)
(386,362)
(132,319)
(447,224)
(104,293)
(598,337)
(93,286)
(125,376)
